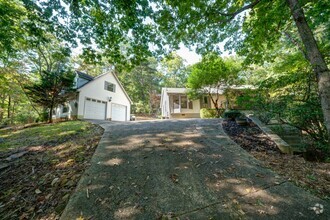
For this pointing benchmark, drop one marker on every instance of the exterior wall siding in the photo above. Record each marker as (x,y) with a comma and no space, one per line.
(185,115)
(167,106)
(95,90)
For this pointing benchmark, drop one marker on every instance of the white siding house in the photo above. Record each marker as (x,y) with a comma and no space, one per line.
(176,104)
(102,97)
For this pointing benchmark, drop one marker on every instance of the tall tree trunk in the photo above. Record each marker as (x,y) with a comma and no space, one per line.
(13,113)
(9,107)
(50,119)
(2,107)
(315,58)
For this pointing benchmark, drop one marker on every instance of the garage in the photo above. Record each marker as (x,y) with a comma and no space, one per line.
(118,112)
(95,109)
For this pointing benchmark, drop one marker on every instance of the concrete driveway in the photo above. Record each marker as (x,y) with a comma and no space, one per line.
(184,169)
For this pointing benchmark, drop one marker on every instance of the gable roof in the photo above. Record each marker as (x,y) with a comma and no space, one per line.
(85,76)
(99,76)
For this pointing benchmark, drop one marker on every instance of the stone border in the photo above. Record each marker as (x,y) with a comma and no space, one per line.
(281,144)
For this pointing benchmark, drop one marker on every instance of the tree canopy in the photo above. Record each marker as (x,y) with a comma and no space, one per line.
(52,89)
(213,75)
(127,33)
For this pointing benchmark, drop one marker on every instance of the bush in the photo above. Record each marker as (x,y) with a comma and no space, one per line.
(140,107)
(26,117)
(208,113)
(232,114)
(265,116)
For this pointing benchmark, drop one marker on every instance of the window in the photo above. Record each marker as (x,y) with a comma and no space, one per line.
(176,102)
(190,104)
(109,86)
(184,102)
(205,102)
(65,109)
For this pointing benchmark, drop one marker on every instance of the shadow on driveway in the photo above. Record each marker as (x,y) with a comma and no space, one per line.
(188,169)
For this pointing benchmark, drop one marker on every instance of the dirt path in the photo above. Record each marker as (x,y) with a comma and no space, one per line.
(188,169)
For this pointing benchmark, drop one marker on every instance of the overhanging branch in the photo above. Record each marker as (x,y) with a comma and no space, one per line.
(232,15)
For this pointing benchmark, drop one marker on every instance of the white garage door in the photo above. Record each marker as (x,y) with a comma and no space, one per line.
(118,112)
(94,109)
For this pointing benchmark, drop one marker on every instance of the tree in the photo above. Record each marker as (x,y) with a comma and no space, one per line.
(288,93)
(174,71)
(211,76)
(51,75)
(128,30)
(52,89)
(142,83)
(15,106)
(251,27)
(315,58)
(27,23)
(12,14)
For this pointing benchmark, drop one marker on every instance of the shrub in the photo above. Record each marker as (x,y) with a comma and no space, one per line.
(24,118)
(140,107)
(265,116)
(208,113)
(232,114)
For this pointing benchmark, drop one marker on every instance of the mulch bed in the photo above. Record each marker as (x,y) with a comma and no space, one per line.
(38,184)
(312,176)
(249,137)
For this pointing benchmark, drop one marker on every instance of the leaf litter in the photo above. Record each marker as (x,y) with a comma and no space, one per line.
(38,184)
(310,175)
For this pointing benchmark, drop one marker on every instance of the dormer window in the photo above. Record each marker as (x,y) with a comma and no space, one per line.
(109,86)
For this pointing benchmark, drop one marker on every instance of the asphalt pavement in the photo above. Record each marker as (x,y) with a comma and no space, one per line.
(183,169)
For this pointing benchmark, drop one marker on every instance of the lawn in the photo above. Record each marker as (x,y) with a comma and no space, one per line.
(38,184)
(44,133)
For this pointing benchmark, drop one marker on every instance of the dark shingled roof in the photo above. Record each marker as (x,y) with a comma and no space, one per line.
(85,76)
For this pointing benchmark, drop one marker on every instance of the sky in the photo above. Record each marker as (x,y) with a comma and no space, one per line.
(190,56)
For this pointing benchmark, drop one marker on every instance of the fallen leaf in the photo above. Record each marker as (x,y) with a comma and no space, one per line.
(174,177)
(37,191)
(317,208)
(235,201)
(261,211)
(48,196)
(241,212)
(55,180)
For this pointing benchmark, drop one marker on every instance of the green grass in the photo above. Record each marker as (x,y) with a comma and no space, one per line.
(39,135)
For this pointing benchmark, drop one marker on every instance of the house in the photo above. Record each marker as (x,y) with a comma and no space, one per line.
(102,97)
(176,104)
